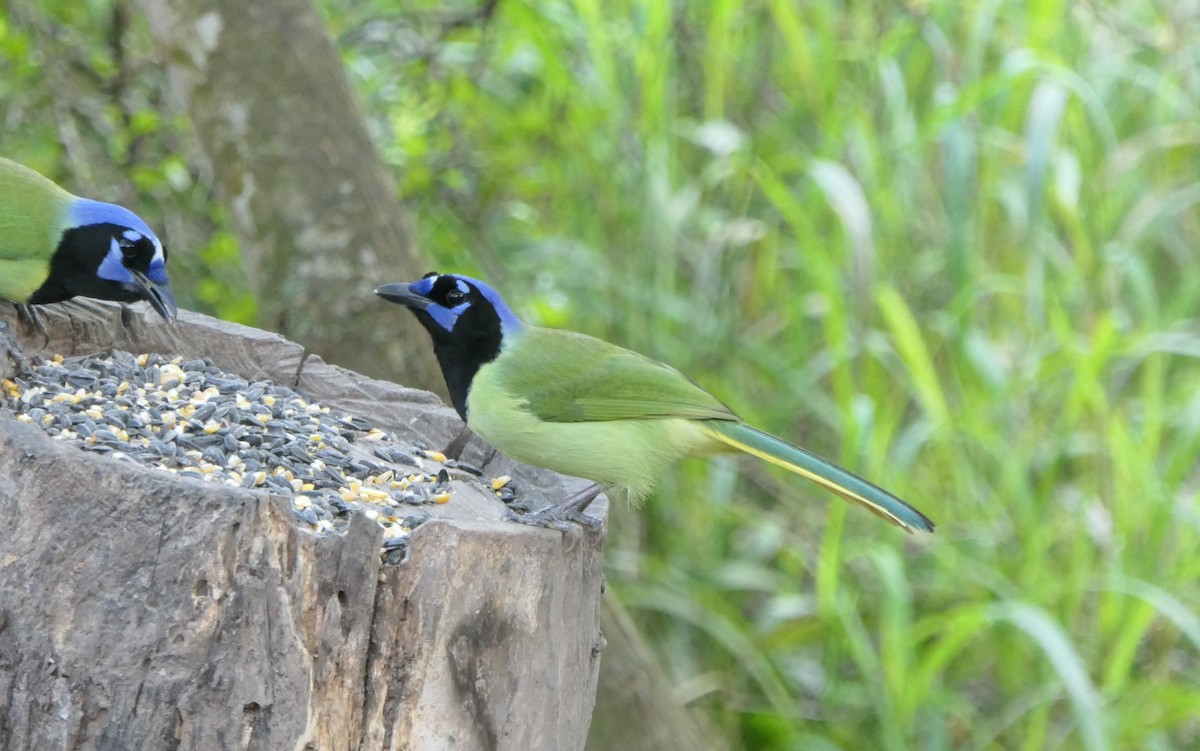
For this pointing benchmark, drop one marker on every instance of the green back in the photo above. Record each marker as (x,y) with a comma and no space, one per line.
(32,212)
(570,377)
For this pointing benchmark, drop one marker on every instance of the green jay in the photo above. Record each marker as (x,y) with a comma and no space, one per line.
(584,407)
(55,246)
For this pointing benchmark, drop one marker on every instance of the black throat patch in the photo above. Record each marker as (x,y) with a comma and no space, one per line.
(461,352)
(73,268)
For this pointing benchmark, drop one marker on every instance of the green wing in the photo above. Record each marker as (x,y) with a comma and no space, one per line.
(570,377)
(32,211)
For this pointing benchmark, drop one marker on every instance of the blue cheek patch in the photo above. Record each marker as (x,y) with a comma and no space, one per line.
(446,317)
(112,269)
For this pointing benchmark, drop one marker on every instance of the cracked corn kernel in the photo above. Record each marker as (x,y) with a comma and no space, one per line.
(170,372)
(212,428)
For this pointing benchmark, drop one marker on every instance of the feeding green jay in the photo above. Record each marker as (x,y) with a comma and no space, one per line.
(55,246)
(581,406)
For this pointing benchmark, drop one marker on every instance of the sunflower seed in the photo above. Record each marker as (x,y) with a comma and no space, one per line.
(192,419)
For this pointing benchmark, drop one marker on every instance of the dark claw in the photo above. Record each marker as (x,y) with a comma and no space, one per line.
(591,522)
(29,314)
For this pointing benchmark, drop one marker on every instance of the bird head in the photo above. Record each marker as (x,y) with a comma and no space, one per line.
(467,320)
(452,306)
(107,252)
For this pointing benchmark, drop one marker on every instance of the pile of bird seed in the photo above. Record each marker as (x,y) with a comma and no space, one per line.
(192,419)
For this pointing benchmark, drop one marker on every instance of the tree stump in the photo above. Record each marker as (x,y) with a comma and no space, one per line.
(140,610)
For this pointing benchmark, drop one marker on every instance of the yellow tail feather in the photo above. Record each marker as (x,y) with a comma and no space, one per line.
(890,508)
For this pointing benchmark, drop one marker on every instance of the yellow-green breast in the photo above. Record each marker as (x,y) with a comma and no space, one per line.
(631,453)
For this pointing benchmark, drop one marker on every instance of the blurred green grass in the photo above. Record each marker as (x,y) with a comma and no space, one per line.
(952,245)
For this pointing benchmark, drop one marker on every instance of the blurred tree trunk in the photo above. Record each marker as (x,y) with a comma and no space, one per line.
(636,707)
(284,137)
(285,140)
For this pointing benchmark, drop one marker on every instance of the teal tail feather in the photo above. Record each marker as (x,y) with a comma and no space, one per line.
(853,488)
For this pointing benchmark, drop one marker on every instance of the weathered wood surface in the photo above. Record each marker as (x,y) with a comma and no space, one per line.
(143,611)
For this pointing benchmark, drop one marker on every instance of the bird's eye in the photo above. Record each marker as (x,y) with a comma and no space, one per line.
(128,248)
(454,297)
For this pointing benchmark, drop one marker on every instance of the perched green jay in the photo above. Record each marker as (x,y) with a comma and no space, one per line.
(581,406)
(55,246)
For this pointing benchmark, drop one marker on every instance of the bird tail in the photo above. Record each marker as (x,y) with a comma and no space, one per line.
(793,458)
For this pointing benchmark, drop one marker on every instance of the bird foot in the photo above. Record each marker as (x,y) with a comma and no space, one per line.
(562,515)
(29,315)
(564,520)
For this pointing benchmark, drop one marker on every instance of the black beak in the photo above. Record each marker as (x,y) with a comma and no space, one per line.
(401,293)
(160,296)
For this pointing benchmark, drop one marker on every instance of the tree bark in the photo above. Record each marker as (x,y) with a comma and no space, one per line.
(139,610)
(284,139)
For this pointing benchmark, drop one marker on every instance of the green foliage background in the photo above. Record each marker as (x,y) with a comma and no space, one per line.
(951,244)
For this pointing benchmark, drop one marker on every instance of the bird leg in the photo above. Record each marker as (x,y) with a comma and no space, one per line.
(570,510)
(456,447)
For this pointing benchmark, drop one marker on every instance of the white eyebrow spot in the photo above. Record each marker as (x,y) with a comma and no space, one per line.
(462,286)
(132,235)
